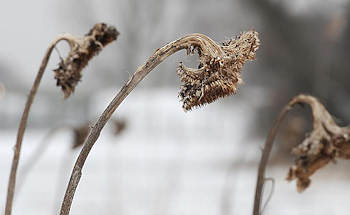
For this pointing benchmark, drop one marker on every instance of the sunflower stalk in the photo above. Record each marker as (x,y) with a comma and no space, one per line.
(326,142)
(217,76)
(67,75)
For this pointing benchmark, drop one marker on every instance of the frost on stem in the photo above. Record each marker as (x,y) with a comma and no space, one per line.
(326,142)
(219,71)
(68,73)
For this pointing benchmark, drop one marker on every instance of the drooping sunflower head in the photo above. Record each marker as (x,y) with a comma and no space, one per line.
(219,71)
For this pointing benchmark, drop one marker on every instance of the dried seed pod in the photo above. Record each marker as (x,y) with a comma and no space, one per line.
(219,71)
(80,134)
(68,73)
(119,126)
(326,142)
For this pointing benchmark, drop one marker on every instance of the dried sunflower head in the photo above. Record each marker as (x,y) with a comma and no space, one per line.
(326,142)
(219,71)
(68,73)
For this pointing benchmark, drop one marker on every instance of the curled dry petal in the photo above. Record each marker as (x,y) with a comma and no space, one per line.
(68,73)
(326,142)
(219,71)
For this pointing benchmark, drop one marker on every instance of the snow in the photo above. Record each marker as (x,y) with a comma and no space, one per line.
(166,162)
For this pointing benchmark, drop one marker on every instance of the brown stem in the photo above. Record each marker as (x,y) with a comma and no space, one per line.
(264,159)
(217,60)
(159,56)
(319,114)
(23,123)
(326,142)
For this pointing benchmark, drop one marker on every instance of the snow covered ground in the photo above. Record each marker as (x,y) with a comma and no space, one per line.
(166,162)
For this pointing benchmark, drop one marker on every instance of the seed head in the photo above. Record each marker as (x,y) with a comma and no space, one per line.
(219,72)
(68,73)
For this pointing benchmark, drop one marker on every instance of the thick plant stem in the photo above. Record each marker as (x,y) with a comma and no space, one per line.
(159,56)
(23,123)
(209,52)
(265,158)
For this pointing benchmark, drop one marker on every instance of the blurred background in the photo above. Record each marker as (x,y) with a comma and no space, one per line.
(153,158)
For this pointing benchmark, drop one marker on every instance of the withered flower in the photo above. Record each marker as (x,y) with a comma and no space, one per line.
(217,76)
(80,134)
(119,126)
(67,76)
(219,71)
(68,73)
(326,142)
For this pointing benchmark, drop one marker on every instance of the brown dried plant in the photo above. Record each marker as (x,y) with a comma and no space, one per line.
(219,71)
(119,125)
(218,75)
(80,134)
(67,75)
(326,142)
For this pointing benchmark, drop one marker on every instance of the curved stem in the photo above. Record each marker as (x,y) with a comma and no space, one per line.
(265,157)
(159,56)
(23,123)
(319,114)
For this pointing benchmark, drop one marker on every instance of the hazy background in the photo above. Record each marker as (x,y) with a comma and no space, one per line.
(167,161)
